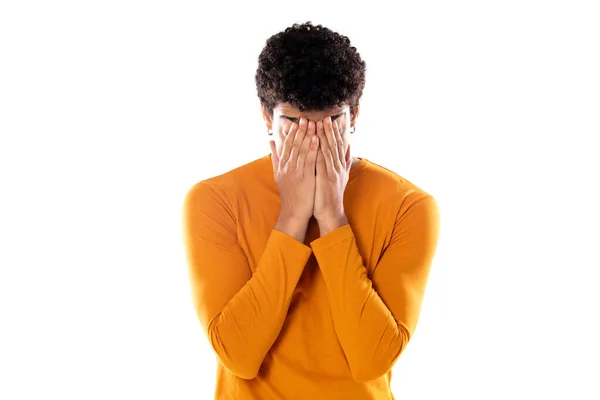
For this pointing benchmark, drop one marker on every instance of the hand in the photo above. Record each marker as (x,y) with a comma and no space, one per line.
(333,172)
(294,171)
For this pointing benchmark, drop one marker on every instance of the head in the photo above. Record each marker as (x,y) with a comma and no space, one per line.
(311,72)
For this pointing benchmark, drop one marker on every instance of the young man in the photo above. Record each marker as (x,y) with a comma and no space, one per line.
(308,266)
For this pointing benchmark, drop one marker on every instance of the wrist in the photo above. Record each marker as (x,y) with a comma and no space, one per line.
(287,218)
(331,223)
(293,226)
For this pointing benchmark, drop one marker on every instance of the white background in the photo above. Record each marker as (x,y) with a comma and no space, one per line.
(111,110)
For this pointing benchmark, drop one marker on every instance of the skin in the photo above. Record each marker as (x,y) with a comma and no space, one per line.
(284,114)
(332,165)
(333,171)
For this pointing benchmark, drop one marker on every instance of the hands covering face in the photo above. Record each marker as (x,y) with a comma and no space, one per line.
(312,171)
(332,171)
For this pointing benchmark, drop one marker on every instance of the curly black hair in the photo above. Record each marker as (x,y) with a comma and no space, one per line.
(311,68)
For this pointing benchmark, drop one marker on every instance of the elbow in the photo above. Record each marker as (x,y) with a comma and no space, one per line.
(370,367)
(368,370)
(236,359)
(238,364)
(365,374)
(243,371)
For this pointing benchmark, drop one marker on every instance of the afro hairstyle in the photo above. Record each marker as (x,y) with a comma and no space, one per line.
(311,68)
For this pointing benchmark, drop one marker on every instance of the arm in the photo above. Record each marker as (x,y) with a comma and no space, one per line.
(242,314)
(375,318)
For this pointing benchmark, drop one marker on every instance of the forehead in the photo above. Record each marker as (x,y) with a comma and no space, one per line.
(291,111)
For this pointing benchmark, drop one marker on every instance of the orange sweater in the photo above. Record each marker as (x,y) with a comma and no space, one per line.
(323,319)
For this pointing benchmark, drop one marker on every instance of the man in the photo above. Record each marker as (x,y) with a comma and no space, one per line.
(308,266)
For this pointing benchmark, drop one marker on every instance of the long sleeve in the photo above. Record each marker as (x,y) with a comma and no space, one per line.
(241,313)
(375,318)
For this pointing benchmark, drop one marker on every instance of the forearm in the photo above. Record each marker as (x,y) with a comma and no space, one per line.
(247,327)
(370,336)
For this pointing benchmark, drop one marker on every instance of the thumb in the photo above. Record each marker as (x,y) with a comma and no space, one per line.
(348,156)
(274,158)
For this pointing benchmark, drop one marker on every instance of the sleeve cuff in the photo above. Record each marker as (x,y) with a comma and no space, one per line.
(336,236)
(290,244)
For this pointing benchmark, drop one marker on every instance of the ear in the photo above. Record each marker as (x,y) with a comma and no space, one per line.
(266,116)
(355,115)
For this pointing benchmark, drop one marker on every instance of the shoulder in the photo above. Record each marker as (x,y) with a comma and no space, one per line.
(226,185)
(390,187)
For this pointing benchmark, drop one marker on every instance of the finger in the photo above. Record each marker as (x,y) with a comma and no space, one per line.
(274,158)
(287,143)
(321,167)
(311,158)
(323,145)
(310,132)
(340,151)
(330,134)
(297,143)
(326,152)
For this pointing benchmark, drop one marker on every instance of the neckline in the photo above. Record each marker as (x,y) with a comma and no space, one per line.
(358,168)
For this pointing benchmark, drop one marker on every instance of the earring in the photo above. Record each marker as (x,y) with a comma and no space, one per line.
(269,132)
(353,128)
